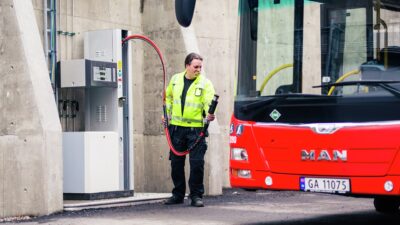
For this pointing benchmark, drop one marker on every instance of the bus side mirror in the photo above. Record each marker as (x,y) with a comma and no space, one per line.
(184,10)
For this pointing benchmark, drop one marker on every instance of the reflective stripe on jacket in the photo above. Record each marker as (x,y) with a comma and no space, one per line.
(198,98)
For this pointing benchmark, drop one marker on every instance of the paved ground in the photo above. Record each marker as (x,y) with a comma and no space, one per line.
(238,207)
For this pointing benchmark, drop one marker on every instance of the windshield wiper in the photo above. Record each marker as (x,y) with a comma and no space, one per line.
(268,101)
(392,90)
(379,83)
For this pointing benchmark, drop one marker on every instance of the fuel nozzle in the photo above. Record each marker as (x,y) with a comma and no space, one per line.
(211,110)
(213,105)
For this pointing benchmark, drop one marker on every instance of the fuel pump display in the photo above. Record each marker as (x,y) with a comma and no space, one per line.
(103,74)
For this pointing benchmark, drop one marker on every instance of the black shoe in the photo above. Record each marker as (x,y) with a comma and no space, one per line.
(173,200)
(197,202)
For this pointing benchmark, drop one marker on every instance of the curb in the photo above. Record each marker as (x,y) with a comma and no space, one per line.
(111,203)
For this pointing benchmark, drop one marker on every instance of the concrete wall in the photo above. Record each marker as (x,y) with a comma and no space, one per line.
(30,133)
(78,16)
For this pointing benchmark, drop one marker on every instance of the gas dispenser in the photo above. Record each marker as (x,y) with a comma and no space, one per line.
(94,110)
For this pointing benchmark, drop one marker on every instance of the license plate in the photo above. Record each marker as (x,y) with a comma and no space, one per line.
(330,185)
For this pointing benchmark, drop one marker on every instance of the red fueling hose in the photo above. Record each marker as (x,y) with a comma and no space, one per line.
(212,107)
(148,40)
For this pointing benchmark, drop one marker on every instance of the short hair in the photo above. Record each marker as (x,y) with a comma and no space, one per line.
(189,58)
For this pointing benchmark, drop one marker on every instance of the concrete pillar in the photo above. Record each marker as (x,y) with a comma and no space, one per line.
(30,132)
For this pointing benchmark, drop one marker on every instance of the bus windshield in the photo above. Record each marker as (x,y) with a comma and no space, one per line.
(302,47)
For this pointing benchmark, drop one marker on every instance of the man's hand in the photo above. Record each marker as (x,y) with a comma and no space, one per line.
(210,117)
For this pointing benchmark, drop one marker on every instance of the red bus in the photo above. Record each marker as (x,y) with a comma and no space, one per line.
(317,106)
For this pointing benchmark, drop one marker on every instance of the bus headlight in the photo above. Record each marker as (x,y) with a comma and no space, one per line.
(241,173)
(239,154)
(244,173)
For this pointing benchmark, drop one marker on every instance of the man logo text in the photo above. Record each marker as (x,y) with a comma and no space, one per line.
(324,155)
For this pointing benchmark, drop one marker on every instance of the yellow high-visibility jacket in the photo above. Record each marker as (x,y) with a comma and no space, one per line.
(198,98)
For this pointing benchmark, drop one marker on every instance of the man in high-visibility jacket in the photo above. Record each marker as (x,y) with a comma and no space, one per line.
(188,97)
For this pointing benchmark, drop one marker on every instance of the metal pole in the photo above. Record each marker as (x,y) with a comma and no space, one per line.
(45,32)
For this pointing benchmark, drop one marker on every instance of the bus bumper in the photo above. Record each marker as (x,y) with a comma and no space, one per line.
(276,181)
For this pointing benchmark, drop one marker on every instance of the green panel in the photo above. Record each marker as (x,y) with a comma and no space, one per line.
(269,4)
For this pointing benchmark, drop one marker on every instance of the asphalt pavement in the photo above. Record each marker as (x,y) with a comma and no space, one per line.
(235,206)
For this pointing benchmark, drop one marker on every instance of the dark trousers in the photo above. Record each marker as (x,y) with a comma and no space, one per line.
(182,138)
